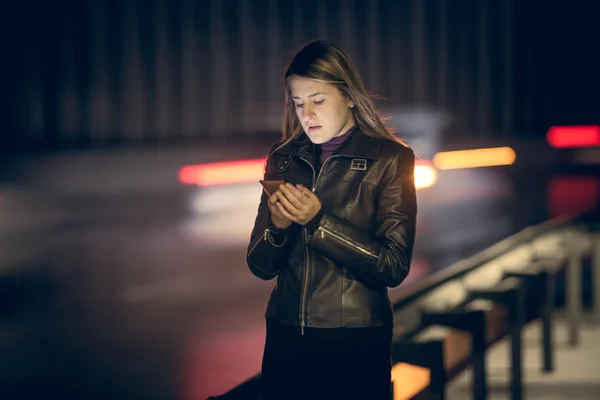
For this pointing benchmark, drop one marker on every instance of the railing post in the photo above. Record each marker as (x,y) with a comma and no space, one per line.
(573,286)
(516,346)
(547,308)
(596,276)
(479,368)
(437,386)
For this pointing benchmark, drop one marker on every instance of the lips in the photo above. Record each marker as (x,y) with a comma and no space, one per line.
(314,128)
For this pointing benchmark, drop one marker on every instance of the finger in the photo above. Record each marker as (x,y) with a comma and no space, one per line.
(283,200)
(311,199)
(293,195)
(272,207)
(305,191)
(273,198)
(276,212)
(285,213)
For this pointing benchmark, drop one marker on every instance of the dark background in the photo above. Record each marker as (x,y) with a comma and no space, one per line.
(95,73)
(118,281)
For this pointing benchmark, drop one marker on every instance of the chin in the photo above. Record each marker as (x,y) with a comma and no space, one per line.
(315,138)
(318,137)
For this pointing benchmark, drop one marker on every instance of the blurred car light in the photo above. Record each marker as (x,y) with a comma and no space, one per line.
(425,175)
(573,136)
(571,195)
(474,158)
(240,171)
(223,173)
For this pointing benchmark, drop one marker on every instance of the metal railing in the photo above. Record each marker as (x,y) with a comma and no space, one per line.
(582,238)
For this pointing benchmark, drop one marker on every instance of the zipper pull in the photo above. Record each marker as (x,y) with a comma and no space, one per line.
(266,234)
(322,234)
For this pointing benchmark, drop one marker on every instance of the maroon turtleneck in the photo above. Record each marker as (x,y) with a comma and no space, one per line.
(328,148)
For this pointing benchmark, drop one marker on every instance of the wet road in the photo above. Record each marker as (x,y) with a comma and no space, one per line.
(119,282)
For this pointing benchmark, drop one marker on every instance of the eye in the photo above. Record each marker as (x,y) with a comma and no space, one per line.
(298,105)
(317,102)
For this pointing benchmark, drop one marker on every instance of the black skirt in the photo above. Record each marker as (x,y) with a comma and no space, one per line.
(324,363)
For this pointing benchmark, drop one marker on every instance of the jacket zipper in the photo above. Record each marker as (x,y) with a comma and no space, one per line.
(305,239)
(349,243)
(261,237)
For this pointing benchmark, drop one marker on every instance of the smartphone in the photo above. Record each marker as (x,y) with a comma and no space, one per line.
(271,186)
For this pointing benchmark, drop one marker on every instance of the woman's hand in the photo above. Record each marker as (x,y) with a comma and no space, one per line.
(277,218)
(297,203)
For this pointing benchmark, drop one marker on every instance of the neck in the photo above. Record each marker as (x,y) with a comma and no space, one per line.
(347,128)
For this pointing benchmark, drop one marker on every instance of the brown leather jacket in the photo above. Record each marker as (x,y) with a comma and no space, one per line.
(338,274)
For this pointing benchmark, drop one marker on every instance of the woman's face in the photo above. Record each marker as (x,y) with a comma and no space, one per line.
(322,109)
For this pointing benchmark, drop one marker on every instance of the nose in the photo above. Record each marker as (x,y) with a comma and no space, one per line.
(307,113)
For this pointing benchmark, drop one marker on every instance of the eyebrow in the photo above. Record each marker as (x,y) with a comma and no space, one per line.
(312,95)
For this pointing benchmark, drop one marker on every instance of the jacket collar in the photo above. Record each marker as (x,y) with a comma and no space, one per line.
(359,145)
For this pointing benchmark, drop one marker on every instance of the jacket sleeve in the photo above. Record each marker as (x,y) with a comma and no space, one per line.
(385,258)
(268,248)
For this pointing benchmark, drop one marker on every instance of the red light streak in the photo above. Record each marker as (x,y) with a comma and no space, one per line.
(573,136)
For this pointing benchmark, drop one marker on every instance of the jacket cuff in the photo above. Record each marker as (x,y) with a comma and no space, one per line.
(278,236)
(313,224)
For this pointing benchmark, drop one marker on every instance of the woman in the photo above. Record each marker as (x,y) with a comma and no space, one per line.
(336,235)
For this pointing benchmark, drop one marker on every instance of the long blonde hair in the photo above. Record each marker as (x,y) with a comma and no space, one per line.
(323,61)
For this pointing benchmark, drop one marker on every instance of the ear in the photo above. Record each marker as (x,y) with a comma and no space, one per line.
(348,99)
